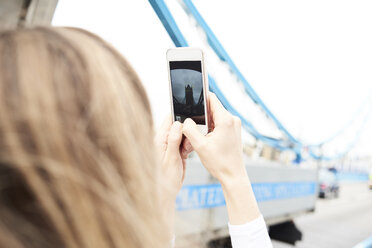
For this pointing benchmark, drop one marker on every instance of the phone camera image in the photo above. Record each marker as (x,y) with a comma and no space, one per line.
(187,90)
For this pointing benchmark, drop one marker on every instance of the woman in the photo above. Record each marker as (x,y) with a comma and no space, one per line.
(78,166)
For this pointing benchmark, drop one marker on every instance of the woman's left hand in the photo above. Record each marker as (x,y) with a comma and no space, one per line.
(173,152)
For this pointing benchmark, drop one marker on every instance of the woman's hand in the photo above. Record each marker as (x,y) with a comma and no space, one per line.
(173,152)
(220,150)
(221,153)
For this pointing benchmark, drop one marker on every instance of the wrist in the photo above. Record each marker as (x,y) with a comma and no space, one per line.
(240,201)
(234,179)
(236,185)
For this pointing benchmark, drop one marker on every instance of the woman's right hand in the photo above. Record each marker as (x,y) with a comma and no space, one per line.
(220,151)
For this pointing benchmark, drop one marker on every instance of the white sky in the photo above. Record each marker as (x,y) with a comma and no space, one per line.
(310,61)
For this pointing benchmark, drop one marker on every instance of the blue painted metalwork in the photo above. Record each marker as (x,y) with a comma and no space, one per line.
(246,124)
(168,22)
(223,55)
(179,40)
(297,145)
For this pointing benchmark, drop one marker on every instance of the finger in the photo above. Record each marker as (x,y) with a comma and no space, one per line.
(218,112)
(174,138)
(187,145)
(238,125)
(183,169)
(186,148)
(162,133)
(184,154)
(237,122)
(191,131)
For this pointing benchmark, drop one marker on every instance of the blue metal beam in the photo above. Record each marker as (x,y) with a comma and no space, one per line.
(168,22)
(179,40)
(223,55)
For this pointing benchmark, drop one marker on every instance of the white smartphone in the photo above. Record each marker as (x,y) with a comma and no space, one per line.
(188,86)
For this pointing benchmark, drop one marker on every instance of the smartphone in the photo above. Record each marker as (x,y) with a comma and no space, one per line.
(188,86)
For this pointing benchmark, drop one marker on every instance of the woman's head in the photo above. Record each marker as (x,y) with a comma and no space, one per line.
(76,153)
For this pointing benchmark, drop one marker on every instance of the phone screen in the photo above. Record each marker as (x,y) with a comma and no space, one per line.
(187,89)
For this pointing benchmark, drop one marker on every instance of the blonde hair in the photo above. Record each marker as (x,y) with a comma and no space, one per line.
(77,165)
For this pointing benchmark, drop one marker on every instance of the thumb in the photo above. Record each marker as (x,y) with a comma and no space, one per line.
(174,138)
(191,131)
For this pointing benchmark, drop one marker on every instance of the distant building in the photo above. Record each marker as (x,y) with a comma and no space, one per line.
(189,95)
(188,107)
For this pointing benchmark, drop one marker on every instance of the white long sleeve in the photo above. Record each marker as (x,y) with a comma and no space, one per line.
(250,235)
